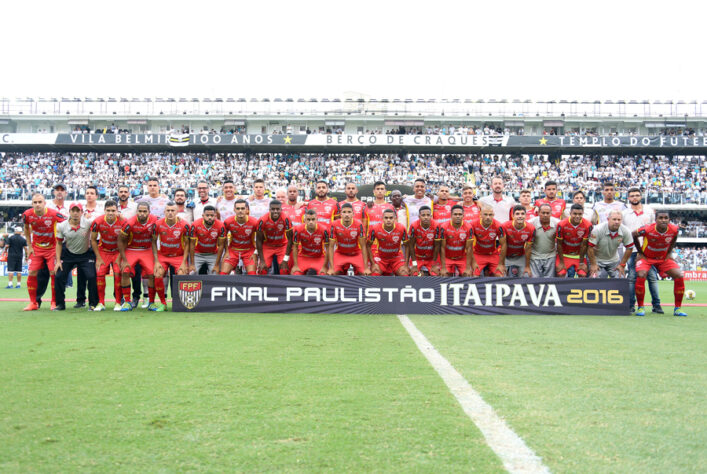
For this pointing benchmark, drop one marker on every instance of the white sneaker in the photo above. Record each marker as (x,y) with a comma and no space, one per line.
(99,307)
(117,307)
(145,304)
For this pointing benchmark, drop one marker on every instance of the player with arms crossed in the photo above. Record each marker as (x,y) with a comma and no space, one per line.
(136,246)
(455,252)
(659,240)
(390,236)
(519,243)
(242,229)
(572,239)
(208,241)
(347,244)
(274,240)
(424,244)
(107,227)
(173,236)
(310,240)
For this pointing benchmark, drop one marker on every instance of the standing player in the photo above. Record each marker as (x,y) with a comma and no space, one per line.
(375,212)
(416,201)
(325,207)
(292,208)
(360,210)
(402,214)
(589,213)
(258,203)
(455,250)
(442,210)
(525,200)
(154,198)
(242,229)
(93,208)
(208,240)
(390,237)
(490,245)
(136,246)
(203,200)
(472,211)
(310,241)
(572,239)
(126,207)
(273,240)
(424,244)
(173,239)
(107,227)
(544,253)
(519,243)
(659,240)
(609,203)
(604,245)
(347,244)
(225,203)
(500,203)
(557,205)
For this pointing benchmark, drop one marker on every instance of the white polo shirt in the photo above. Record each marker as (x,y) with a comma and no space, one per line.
(501,208)
(199,207)
(414,204)
(635,221)
(603,209)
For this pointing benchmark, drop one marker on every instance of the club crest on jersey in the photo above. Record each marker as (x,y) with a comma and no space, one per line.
(462,235)
(580,233)
(396,239)
(213,234)
(176,233)
(248,231)
(668,239)
(353,233)
(317,240)
(524,237)
(430,236)
(492,235)
(279,227)
(47,222)
(190,293)
(327,208)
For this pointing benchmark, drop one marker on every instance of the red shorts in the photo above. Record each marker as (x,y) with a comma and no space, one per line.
(144,258)
(429,263)
(342,262)
(486,261)
(109,259)
(41,255)
(452,266)
(309,263)
(389,266)
(279,252)
(569,263)
(235,256)
(663,266)
(166,262)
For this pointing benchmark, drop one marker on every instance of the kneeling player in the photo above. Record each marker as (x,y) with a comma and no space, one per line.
(424,244)
(659,239)
(347,244)
(391,236)
(489,245)
(172,235)
(310,240)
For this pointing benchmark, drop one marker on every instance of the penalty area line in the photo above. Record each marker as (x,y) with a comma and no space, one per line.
(515,455)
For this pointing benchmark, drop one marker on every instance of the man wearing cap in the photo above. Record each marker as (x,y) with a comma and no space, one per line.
(73,251)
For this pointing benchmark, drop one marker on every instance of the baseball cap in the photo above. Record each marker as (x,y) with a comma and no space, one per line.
(59,185)
(76,204)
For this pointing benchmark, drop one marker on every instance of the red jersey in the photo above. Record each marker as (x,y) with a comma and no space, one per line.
(360,209)
(274,232)
(442,213)
(311,244)
(655,245)
(206,238)
(326,210)
(242,235)
(471,213)
(571,236)
(108,233)
(455,239)
(517,238)
(375,213)
(294,215)
(558,206)
(486,238)
(347,237)
(424,239)
(171,237)
(139,235)
(389,242)
(43,228)
(529,214)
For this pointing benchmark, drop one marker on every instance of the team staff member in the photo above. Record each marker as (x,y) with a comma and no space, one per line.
(73,251)
(544,248)
(107,227)
(310,241)
(604,245)
(499,202)
(16,245)
(402,213)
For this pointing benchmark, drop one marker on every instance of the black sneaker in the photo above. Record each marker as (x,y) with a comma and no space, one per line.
(658,309)
(135,302)
(80,305)
(59,308)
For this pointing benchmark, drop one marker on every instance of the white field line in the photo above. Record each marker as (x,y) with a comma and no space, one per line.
(516,456)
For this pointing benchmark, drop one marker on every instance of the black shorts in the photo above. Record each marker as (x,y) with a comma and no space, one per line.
(14,264)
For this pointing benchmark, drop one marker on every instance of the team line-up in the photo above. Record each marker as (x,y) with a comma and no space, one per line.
(410,235)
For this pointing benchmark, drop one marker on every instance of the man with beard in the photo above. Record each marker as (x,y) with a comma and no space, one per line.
(203,200)
(273,241)
(347,244)
(183,212)
(325,207)
(292,208)
(500,203)
(136,246)
(557,205)
(208,241)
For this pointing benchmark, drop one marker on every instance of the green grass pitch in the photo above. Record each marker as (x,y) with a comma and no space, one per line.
(146,392)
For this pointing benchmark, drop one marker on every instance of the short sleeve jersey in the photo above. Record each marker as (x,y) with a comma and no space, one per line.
(557,205)
(293,214)
(311,244)
(375,213)
(442,213)
(455,239)
(326,210)
(424,239)
(274,232)
(486,238)
(139,234)
(206,238)
(43,228)
(108,233)
(171,237)
(242,235)
(471,213)
(389,242)
(517,238)
(572,236)
(347,238)
(655,245)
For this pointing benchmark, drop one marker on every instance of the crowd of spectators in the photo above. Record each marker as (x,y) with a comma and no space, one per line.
(691,258)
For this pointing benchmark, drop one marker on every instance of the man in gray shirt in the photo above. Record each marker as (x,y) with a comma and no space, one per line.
(603,251)
(73,251)
(544,250)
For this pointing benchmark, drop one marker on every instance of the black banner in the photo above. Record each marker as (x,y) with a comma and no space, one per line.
(399,295)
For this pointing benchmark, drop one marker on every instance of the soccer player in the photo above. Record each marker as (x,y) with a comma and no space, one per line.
(608,204)
(274,240)
(40,228)
(93,208)
(107,227)
(126,207)
(347,244)
(225,203)
(375,212)
(500,203)
(490,246)
(390,237)
(589,213)
(291,207)
(310,240)
(455,252)
(325,207)
(402,214)
(519,243)
(136,246)
(360,210)
(572,239)
(154,198)
(525,200)
(416,201)
(603,250)
(203,200)
(172,235)
(544,249)
(424,244)
(557,205)
(208,241)
(242,229)
(258,203)
(635,217)
(472,211)
(442,210)
(659,239)
(183,212)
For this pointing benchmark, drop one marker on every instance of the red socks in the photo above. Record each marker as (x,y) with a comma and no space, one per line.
(641,290)
(53,290)
(679,291)
(32,288)
(159,288)
(101,284)
(126,293)
(151,294)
